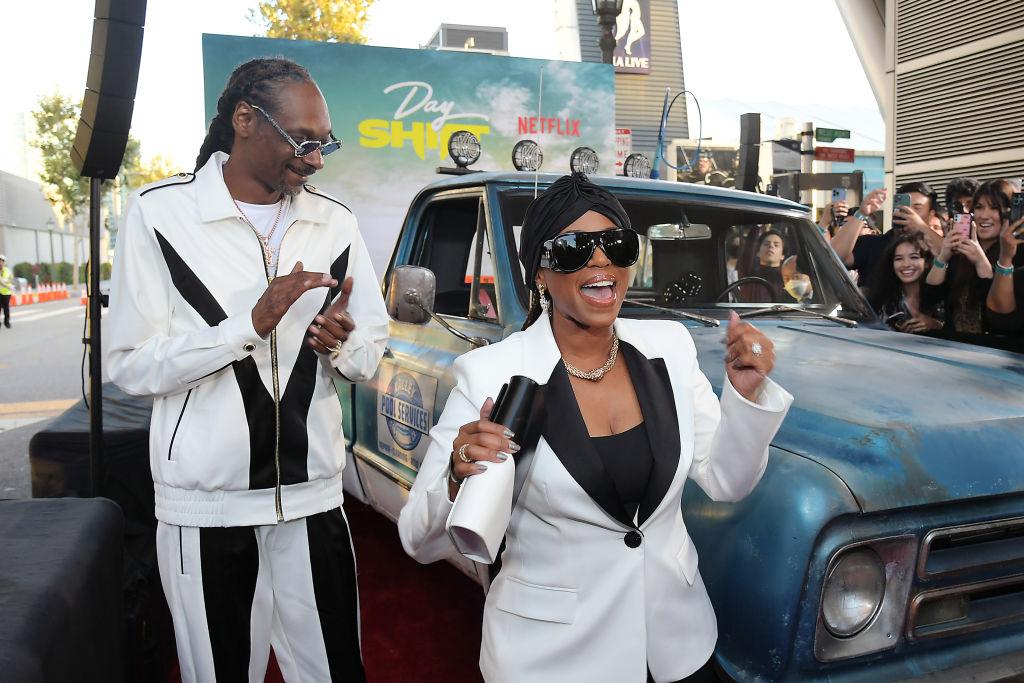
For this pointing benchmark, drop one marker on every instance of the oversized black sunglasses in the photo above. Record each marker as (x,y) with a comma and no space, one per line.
(306,147)
(571,251)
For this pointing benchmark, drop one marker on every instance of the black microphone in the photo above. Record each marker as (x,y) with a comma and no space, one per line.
(520,408)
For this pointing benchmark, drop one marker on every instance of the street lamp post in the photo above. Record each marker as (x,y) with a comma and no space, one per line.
(607,11)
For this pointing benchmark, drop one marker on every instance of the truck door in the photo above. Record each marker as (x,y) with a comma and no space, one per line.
(450,235)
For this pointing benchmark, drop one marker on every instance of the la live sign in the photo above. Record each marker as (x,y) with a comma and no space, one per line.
(632,53)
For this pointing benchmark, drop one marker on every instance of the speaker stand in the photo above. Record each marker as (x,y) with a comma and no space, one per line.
(93,340)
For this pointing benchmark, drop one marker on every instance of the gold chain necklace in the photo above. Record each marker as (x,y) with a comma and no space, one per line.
(268,252)
(599,373)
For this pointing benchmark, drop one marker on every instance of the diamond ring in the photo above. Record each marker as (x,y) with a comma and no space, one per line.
(755,348)
(462,453)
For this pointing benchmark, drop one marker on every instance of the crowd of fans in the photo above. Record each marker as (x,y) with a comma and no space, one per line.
(953,271)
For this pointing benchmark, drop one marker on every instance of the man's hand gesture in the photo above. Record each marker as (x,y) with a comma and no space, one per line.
(330,330)
(284,291)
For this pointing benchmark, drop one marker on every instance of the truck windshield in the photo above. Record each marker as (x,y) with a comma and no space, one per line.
(698,256)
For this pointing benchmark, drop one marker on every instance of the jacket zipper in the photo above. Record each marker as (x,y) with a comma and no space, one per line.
(170,449)
(278,507)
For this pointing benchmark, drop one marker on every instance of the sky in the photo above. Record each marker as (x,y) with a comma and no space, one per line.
(761,64)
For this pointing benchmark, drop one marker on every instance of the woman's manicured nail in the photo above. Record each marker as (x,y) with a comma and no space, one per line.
(513,446)
(508,433)
(503,456)
(480,467)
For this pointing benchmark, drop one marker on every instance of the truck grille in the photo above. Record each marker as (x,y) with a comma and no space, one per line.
(993,549)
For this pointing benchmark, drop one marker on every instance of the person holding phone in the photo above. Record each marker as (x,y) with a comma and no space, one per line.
(897,292)
(1002,312)
(962,271)
(863,253)
(599,578)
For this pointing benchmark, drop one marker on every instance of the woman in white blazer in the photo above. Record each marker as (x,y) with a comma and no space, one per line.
(598,579)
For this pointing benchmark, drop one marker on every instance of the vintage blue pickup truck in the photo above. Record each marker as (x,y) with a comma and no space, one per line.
(886,540)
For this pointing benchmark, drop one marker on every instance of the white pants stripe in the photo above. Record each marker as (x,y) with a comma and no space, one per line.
(290,586)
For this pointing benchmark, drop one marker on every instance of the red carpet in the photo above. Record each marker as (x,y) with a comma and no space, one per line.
(420,622)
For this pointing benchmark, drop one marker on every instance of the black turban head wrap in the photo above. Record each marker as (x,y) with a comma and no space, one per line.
(567,199)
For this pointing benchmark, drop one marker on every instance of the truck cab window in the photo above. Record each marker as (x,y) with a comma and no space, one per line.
(449,248)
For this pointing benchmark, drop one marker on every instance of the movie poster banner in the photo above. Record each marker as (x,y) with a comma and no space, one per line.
(632,53)
(395,109)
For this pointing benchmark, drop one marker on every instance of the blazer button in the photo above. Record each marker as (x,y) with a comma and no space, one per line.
(633,539)
(249,347)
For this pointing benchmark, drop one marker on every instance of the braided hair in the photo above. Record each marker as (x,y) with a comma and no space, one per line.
(257,82)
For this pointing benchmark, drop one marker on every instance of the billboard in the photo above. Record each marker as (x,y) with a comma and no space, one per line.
(632,53)
(395,110)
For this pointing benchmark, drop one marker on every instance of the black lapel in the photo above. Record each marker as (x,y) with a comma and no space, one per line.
(657,402)
(566,433)
(298,395)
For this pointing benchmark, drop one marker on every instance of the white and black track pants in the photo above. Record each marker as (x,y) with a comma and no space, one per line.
(235,591)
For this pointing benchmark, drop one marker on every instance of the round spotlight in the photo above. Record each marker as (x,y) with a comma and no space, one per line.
(464,148)
(526,156)
(636,166)
(583,160)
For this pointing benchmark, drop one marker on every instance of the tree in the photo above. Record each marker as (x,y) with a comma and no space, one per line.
(56,124)
(332,21)
(153,169)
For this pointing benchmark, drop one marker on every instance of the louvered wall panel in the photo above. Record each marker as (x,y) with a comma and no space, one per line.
(925,27)
(939,179)
(639,97)
(966,105)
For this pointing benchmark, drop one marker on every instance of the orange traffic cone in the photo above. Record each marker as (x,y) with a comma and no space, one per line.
(85,297)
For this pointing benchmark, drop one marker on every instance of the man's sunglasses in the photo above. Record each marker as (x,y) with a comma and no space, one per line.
(306,147)
(571,251)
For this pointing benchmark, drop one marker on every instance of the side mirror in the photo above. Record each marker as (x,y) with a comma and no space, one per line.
(411,294)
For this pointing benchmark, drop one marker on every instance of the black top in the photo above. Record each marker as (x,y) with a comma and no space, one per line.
(866,253)
(628,460)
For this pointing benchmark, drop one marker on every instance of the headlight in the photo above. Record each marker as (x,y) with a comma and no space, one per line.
(636,166)
(853,592)
(526,156)
(464,148)
(583,160)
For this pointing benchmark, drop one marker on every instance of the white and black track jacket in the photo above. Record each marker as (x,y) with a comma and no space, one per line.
(245,430)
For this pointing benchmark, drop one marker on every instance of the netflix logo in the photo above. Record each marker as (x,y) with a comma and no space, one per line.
(536,124)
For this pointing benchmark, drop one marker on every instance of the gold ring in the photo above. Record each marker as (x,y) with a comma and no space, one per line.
(462,453)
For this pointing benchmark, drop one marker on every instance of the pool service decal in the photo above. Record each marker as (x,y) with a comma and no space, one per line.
(405,410)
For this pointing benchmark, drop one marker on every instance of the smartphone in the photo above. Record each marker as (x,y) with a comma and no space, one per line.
(1017,211)
(962,223)
(901,199)
(838,194)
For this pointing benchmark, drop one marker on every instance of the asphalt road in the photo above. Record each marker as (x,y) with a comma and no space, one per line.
(40,377)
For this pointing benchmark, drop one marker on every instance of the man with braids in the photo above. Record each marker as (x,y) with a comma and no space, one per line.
(240,294)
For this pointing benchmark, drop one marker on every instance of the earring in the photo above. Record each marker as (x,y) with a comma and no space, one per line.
(541,291)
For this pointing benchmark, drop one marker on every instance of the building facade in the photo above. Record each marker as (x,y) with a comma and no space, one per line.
(30,231)
(947,76)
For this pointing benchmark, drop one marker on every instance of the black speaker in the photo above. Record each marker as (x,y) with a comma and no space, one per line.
(750,129)
(109,87)
(746,174)
(750,151)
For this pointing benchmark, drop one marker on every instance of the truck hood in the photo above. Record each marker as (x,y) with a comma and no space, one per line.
(903,420)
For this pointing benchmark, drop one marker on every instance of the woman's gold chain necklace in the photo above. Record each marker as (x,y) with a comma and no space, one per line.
(599,373)
(268,252)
